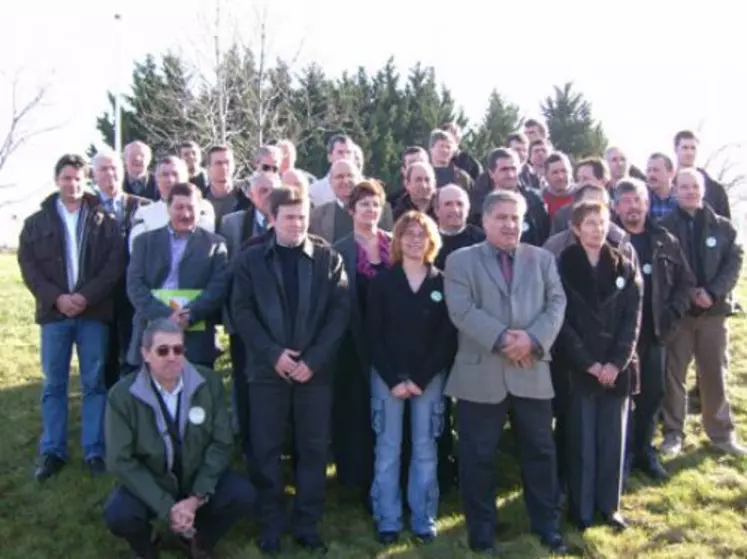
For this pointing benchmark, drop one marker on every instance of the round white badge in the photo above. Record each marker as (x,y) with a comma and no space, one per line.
(647,269)
(525,227)
(436,296)
(620,282)
(196,415)
(711,242)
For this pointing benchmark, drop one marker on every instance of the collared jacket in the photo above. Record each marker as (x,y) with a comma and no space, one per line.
(602,318)
(719,251)
(259,309)
(671,281)
(41,257)
(139,450)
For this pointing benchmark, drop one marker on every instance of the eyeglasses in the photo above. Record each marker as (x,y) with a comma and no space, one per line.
(269,168)
(164,350)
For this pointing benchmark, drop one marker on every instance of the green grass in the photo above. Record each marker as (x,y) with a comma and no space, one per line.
(699,513)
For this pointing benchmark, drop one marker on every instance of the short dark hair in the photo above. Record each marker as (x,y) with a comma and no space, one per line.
(599,167)
(220,148)
(556,157)
(370,188)
(412,150)
(668,161)
(188,144)
(70,160)
(439,135)
(630,185)
(517,137)
(499,153)
(534,123)
(337,139)
(585,208)
(684,135)
(534,144)
(183,189)
(285,196)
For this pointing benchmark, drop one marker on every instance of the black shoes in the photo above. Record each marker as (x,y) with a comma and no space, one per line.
(49,465)
(388,538)
(269,547)
(312,544)
(96,466)
(651,466)
(555,543)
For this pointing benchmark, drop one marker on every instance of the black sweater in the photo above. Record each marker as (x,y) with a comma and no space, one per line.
(411,335)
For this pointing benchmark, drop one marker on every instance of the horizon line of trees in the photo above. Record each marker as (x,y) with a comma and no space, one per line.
(245,102)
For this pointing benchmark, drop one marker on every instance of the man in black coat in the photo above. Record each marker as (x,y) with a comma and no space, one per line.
(290,307)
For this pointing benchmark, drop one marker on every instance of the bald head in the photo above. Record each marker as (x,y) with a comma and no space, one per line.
(343,176)
(289,155)
(452,208)
(296,178)
(137,158)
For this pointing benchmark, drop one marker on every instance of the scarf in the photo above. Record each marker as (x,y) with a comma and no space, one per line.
(364,266)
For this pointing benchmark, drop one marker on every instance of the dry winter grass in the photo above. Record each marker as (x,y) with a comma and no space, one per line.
(700,513)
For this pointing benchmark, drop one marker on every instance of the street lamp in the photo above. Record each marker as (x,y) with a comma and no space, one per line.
(117,92)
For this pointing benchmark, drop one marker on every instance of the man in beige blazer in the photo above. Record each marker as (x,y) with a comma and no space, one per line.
(507,301)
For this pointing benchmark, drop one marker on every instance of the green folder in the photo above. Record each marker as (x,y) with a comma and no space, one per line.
(178,298)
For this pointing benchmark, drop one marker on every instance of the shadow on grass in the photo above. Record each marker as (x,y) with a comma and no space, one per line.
(62,518)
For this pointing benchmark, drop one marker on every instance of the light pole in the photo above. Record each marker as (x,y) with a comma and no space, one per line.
(117,86)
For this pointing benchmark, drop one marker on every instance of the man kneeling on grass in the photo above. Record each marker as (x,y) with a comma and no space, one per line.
(169,443)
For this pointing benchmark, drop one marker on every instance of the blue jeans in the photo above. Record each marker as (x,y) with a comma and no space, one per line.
(427,424)
(90,337)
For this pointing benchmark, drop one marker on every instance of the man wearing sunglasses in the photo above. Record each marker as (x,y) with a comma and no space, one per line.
(169,444)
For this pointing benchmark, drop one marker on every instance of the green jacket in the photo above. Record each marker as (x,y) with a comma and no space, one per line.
(139,451)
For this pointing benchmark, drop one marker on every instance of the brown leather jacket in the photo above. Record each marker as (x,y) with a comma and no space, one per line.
(41,257)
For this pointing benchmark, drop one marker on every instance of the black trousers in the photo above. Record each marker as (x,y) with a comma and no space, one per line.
(480,428)
(561,387)
(643,418)
(129,518)
(240,387)
(310,408)
(120,333)
(596,441)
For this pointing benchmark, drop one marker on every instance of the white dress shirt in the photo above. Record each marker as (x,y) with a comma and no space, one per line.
(171,399)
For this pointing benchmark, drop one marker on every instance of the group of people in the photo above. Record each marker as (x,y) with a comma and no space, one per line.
(569,299)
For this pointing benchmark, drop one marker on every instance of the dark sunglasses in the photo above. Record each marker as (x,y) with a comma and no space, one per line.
(163,350)
(268,168)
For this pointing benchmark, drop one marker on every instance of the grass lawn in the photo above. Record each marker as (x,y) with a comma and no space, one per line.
(700,513)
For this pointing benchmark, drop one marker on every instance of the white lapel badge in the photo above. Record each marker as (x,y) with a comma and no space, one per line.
(647,269)
(711,242)
(620,282)
(436,296)
(196,415)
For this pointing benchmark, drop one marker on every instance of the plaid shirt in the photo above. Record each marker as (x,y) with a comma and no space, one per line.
(660,207)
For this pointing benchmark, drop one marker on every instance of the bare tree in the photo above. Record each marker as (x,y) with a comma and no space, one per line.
(21,125)
(727,166)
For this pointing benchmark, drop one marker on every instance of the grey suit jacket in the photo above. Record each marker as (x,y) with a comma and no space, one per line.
(203,266)
(482,306)
(231,227)
(322,221)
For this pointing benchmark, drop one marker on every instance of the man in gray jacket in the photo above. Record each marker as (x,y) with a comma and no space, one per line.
(507,301)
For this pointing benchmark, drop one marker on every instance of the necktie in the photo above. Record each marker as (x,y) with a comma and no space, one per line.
(506,267)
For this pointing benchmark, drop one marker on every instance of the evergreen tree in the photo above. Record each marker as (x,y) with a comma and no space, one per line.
(501,119)
(572,128)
